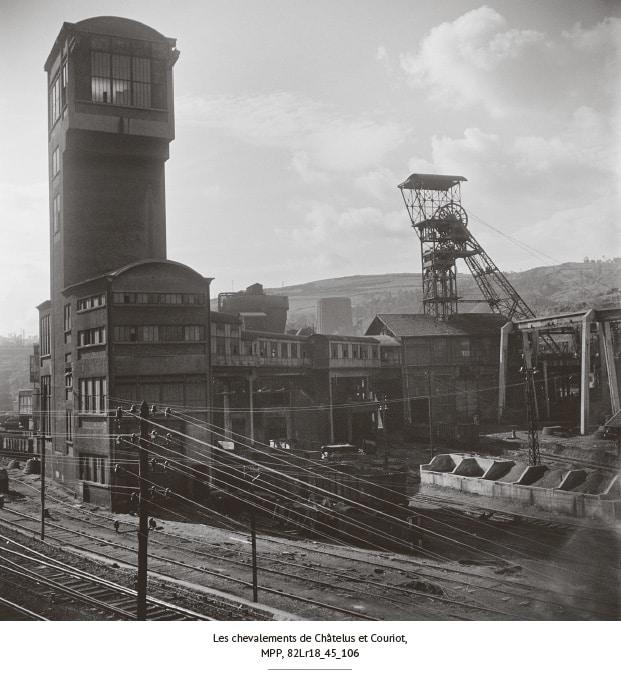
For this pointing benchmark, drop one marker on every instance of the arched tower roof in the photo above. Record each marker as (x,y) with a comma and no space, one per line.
(114,25)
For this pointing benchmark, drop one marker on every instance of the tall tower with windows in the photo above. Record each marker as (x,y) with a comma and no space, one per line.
(111,118)
(123,323)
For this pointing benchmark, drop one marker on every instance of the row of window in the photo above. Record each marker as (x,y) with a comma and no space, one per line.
(58,94)
(190,299)
(157,333)
(92,336)
(95,301)
(94,469)
(354,351)
(121,79)
(92,395)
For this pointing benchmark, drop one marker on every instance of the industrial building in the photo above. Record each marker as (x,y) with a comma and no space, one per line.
(123,323)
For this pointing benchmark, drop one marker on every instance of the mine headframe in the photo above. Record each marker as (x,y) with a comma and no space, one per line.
(434,206)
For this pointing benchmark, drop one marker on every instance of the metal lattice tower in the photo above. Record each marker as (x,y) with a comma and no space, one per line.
(434,205)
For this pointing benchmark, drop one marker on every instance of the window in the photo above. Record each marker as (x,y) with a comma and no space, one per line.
(171,298)
(354,350)
(122,71)
(171,333)
(294,350)
(87,303)
(58,95)
(93,469)
(174,298)
(464,347)
(46,400)
(93,395)
(345,350)
(56,213)
(69,425)
(194,333)
(45,335)
(67,318)
(284,350)
(94,335)
(55,161)
(335,351)
(149,333)
(439,349)
(157,333)
(120,79)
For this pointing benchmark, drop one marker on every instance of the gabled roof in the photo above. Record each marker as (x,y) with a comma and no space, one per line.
(422,325)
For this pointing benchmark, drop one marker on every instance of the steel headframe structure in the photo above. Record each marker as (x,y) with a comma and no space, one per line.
(434,205)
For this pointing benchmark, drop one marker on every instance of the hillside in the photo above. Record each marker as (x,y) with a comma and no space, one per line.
(547,290)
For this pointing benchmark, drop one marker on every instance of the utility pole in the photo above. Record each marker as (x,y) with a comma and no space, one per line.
(534,459)
(42,462)
(253,532)
(43,402)
(531,401)
(143,518)
(383,409)
(430,412)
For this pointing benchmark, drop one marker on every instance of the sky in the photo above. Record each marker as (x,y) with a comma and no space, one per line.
(297,120)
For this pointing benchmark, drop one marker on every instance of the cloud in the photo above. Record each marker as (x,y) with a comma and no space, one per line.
(479,60)
(319,138)
(378,184)
(548,191)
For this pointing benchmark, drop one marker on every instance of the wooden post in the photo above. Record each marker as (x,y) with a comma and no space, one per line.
(253,532)
(143,513)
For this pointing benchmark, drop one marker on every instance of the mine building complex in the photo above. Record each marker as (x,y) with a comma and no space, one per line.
(125,324)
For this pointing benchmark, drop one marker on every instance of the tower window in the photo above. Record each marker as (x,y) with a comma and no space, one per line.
(56,213)
(58,94)
(127,80)
(55,161)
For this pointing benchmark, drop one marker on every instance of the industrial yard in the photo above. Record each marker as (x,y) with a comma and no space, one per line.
(472,557)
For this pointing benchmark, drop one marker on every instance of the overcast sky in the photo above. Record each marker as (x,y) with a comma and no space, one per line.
(296,120)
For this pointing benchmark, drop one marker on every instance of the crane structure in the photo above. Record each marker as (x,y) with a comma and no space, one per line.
(434,205)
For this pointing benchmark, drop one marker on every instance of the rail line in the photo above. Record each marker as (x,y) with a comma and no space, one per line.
(448,577)
(71,583)
(443,598)
(10,611)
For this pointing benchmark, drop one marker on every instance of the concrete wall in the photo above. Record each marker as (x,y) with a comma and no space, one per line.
(439,472)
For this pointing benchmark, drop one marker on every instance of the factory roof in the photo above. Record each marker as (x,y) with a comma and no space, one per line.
(422,325)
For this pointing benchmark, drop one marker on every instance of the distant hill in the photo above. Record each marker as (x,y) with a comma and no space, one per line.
(547,290)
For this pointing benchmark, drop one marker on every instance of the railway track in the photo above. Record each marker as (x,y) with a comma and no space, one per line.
(64,583)
(11,611)
(416,585)
(365,582)
(582,463)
